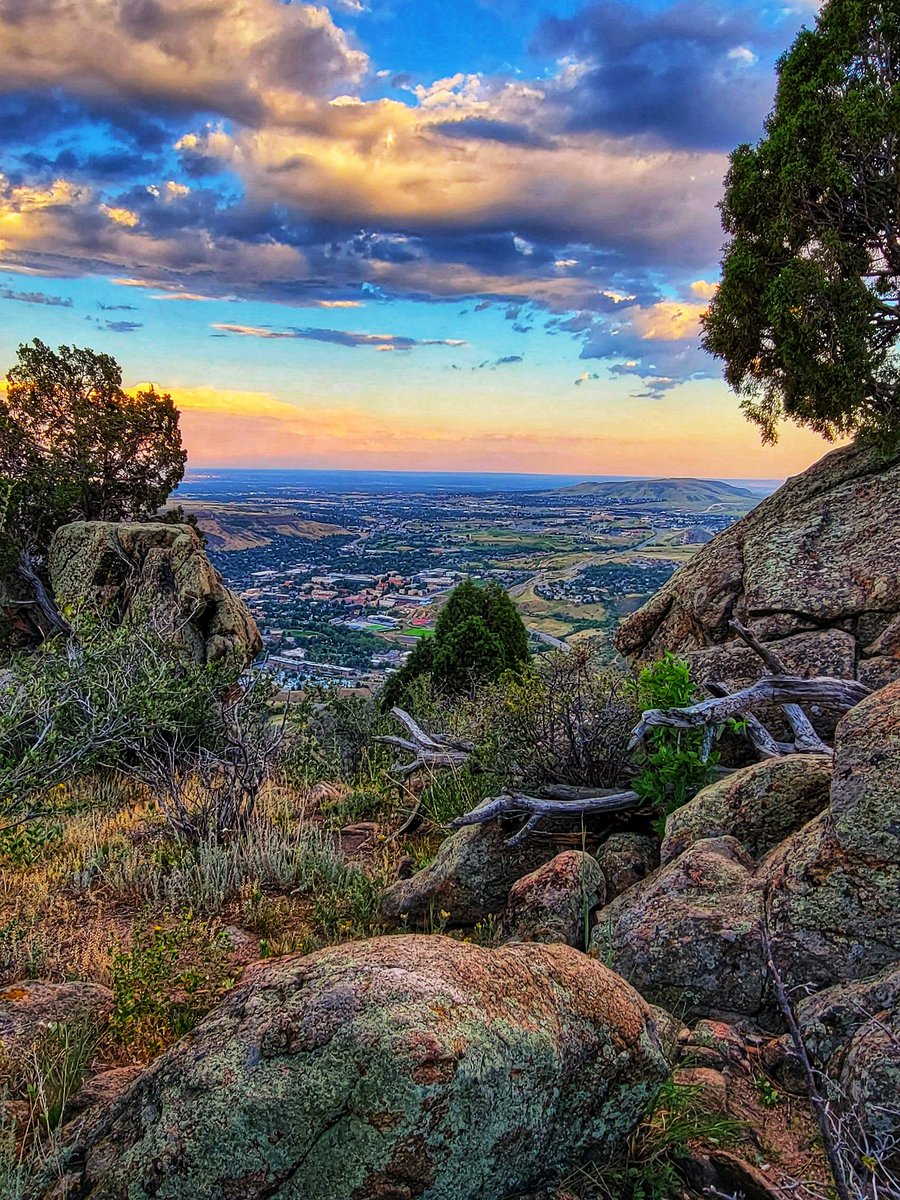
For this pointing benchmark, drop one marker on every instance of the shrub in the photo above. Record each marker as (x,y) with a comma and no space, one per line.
(674,763)
(478,635)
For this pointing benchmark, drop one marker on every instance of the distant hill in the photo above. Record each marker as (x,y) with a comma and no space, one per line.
(665,491)
(245,527)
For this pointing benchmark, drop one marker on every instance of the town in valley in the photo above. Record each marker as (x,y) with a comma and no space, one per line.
(344,580)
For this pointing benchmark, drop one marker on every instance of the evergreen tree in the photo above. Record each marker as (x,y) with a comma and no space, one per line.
(807,317)
(478,635)
(75,446)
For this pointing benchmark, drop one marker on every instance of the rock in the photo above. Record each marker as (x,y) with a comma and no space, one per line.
(831,916)
(716,1044)
(689,936)
(469,878)
(102,1089)
(29,1007)
(759,805)
(835,884)
(711,1087)
(817,559)
(852,1031)
(555,903)
(824,652)
(153,570)
(400,1067)
(625,859)
(865,796)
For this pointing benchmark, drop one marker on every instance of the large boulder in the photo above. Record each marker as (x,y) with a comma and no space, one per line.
(468,880)
(154,571)
(759,805)
(689,936)
(395,1068)
(555,903)
(834,886)
(852,1033)
(814,571)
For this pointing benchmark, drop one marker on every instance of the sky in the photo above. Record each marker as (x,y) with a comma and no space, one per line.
(394,234)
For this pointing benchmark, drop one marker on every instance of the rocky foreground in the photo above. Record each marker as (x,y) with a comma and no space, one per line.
(423,1066)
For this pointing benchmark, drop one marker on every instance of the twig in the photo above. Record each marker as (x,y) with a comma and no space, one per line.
(817,1100)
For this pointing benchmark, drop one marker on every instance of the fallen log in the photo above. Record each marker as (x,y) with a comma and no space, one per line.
(541,808)
(806,740)
(837,695)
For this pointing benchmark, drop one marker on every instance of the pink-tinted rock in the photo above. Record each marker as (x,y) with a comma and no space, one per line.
(556,901)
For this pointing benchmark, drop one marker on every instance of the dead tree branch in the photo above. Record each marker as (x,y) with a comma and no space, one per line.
(539,808)
(42,600)
(820,1106)
(805,737)
(429,750)
(838,695)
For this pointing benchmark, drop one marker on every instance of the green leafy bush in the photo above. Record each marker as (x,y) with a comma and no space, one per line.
(674,765)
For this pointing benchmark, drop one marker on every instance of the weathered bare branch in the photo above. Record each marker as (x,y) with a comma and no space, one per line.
(429,750)
(805,737)
(838,695)
(765,745)
(42,600)
(513,803)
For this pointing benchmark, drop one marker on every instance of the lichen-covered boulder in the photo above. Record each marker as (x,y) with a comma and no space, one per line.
(468,880)
(154,571)
(852,1033)
(834,886)
(625,859)
(403,1066)
(832,916)
(555,903)
(814,571)
(689,936)
(865,795)
(759,805)
(28,1008)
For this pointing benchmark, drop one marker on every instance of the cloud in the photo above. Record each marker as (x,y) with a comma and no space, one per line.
(7,293)
(657,344)
(506,361)
(586,377)
(339,337)
(693,74)
(251,60)
(122,326)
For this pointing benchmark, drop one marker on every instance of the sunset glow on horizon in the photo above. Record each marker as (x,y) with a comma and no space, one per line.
(392,235)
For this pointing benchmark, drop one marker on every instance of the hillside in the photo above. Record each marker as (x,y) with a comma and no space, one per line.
(238,527)
(665,491)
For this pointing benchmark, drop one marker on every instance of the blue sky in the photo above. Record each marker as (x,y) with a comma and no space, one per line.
(395,233)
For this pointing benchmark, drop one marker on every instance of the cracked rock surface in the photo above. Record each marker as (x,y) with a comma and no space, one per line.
(410,1066)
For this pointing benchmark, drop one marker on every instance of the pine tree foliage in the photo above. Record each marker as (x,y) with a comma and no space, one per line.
(478,635)
(807,317)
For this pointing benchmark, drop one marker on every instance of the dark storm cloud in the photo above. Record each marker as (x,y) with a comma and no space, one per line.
(692,75)
(491,131)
